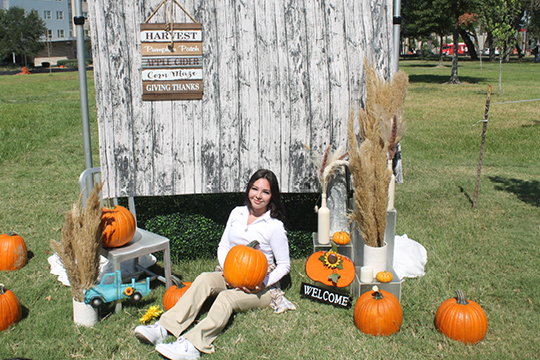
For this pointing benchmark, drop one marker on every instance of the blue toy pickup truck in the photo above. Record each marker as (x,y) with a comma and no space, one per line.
(111,288)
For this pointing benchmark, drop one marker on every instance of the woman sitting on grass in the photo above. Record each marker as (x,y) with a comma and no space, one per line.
(260,219)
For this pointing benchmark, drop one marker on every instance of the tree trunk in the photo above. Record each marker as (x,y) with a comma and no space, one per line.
(506,53)
(491,46)
(500,74)
(440,52)
(519,51)
(470,45)
(454,76)
(480,51)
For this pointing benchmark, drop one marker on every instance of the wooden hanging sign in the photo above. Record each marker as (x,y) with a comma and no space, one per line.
(184,32)
(171,74)
(156,62)
(171,61)
(172,90)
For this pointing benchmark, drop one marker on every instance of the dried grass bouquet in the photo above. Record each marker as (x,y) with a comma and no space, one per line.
(330,164)
(381,127)
(79,249)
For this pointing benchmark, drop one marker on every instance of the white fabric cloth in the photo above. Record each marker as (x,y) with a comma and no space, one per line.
(127,267)
(410,257)
(268,231)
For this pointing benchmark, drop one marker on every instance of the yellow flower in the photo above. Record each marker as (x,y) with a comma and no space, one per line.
(332,260)
(153,312)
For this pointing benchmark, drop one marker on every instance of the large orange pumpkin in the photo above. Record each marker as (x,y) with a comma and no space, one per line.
(378,312)
(461,319)
(117,226)
(173,294)
(10,308)
(245,266)
(13,253)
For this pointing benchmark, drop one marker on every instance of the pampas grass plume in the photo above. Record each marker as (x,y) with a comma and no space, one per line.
(80,246)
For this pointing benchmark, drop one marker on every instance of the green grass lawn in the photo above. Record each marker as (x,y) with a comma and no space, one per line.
(491,252)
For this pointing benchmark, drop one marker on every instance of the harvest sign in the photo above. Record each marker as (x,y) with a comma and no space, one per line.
(172,61)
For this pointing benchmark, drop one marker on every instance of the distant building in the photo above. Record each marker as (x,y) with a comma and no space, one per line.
(61,38)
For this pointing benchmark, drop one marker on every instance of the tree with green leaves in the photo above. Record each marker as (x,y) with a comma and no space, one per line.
(456,9)
(468,23)
(501,18)
(441,17)
(534,18)
(421,18)
(20,33)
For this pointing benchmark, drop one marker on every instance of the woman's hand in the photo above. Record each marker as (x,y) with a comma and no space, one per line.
(254,291)
(257,288)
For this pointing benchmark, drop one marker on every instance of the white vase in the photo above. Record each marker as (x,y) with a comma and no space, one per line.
(323,228)
(391,187)
(84,314)
(376,258)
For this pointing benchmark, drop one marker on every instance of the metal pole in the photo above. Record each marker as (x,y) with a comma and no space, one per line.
(397,26)
(78,20)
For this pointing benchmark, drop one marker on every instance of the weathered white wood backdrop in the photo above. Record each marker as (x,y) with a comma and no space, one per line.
(280,77)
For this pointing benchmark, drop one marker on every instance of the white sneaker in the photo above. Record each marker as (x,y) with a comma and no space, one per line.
(151,334)
(181,349)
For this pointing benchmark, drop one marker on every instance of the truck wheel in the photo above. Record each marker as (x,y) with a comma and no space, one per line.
(96,302)
(136,297)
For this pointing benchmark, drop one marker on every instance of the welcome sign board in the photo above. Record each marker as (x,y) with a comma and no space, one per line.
(172,61)
(325,295)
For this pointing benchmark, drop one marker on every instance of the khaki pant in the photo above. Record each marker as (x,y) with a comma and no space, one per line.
(210,284)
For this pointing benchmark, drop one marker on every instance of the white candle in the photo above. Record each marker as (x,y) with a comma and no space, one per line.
(323,230)
(366,274)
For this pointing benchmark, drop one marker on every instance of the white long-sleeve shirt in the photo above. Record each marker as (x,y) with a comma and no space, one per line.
(268,231)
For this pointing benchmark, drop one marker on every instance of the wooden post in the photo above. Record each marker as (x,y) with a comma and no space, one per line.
(484,128)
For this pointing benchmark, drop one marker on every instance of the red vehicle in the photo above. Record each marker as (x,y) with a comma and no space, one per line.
(448,49)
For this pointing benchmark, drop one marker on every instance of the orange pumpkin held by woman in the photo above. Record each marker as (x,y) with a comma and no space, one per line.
(117,226)
(13,253)
(245,266)
(173,294)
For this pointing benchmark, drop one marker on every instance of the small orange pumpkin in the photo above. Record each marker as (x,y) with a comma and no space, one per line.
(461,319)
(384,276)
(117,226)
(13,253)
(173,294)
(10,308)
(330,268)
(341,238)
(378,312)
(245,266)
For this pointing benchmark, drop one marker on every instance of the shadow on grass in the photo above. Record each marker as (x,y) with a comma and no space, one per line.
(526,191)
(535,123)
(440,79)
(466,195)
